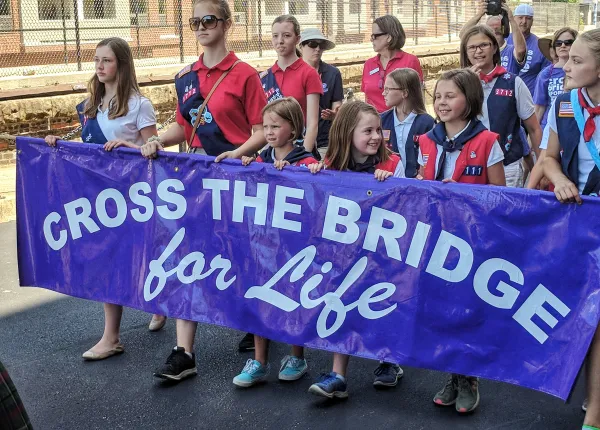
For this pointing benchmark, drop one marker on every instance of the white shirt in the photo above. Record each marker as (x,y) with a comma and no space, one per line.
(402,128)
(525,106)
(496,155)
(586,162)
(140,115)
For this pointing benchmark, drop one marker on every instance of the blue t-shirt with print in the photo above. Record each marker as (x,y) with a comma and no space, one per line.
(535,61)
(508,60)
(548,86)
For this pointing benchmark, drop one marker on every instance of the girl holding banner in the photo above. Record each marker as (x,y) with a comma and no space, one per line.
(572,162)
(507,101)
(460,149)
(355,144)
(115,114)
(291,76)
(407,119)
(215,125)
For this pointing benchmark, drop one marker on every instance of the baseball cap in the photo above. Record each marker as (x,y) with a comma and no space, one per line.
(524,10)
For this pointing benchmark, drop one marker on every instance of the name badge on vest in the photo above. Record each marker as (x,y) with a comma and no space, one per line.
(375,70)
(503,92)
(565,110)
(386,134)
(473,171)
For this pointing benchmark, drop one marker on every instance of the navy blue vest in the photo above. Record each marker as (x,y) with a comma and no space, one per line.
(270,87)
(568,138)
(90,129)
(504,119)
(189,100)
(421,125)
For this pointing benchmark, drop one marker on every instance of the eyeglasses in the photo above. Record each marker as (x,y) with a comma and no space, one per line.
(314,44)
(376,35)
(481,47)
(381,78)
(208,22)
(388,89)
(560,43)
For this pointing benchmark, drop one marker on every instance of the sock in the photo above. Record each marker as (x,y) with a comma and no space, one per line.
(189,354)
(337,375)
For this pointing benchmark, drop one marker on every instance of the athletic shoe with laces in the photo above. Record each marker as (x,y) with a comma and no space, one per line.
(468,394)
(178,366)
(387,375)
(330,386)
(447,395)
(253,373)
(292,368)
(247,343)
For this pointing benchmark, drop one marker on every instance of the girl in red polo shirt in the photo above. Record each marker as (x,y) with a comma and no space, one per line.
(283,124)
(388,39)
(232,118)
(355,144)
(291,76)
(460,149)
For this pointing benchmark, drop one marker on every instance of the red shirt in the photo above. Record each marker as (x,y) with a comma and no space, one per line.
(298,81)
(236,104)
(374,75)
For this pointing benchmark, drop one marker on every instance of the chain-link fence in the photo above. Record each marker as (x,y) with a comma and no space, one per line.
(56,36)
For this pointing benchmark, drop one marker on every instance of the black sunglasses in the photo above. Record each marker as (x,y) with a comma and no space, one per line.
(208,22)
(376,35)
(567,42)
(314,44)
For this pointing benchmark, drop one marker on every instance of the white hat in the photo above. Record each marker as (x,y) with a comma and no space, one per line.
(315,34)
(524,10)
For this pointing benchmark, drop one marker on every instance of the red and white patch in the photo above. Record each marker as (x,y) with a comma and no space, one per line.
(503,92)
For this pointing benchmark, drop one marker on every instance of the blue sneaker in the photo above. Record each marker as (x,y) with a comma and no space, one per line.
(292,368)
(329,385)
(253,373)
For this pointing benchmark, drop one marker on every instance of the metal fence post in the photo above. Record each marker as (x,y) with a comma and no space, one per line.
(260,41)
(77,39)
(180,27)
(137,32)
(416,21)
(449,20)
(64,25)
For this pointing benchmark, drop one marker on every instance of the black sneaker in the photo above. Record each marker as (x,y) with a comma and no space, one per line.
(247,343)
(387,375)
(178,366)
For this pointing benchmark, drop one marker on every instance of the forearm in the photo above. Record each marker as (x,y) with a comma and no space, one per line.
(471,23)
(173,136)
(537,172)
(539,111)
(310,138)
(552,170)
(519,41)
(254,144)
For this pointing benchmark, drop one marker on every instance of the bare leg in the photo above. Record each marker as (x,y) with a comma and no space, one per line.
(298,351)
(261,350)
(112,325)
(340,363)
(592,416)
(186,332)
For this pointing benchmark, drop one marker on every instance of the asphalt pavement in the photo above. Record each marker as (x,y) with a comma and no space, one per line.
(43,334)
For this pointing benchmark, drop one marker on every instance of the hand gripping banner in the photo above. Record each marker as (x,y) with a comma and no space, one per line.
(479,280)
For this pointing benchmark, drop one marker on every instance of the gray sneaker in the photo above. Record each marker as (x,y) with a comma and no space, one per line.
(387,375)
(447,395)
(468,394)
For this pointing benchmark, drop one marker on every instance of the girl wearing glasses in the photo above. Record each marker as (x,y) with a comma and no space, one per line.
(406,118)
(291,76)
(550,81)
(232,118)
(572,164)
(115,114)
(388,40)
(507,101)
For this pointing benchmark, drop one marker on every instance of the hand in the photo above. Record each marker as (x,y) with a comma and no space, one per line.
(150,148)
(51,140)
(112,144)
(419,177)
(508,11)
(329,114)
(316,167)
(566,191)
(448,180)
(382,175)
(247,160)
(279,164)
(229,154)
(476,68)
(544,184)
(482,7)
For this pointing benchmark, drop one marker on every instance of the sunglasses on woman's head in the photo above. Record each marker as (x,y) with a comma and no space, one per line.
(208,22)
(567,42)
(314,44)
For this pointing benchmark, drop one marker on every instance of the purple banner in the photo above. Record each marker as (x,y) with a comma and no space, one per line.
(480,280)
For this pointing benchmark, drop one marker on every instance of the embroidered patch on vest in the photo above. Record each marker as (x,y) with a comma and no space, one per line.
(503,92)
(184,71)
(473,171)
(473,154)
(263,74)
(425,158)
(386,134)
(565,110)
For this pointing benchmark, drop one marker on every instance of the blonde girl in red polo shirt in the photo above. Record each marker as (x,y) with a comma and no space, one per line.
(388,39)
(355,144)
(232,119)
(291,76)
